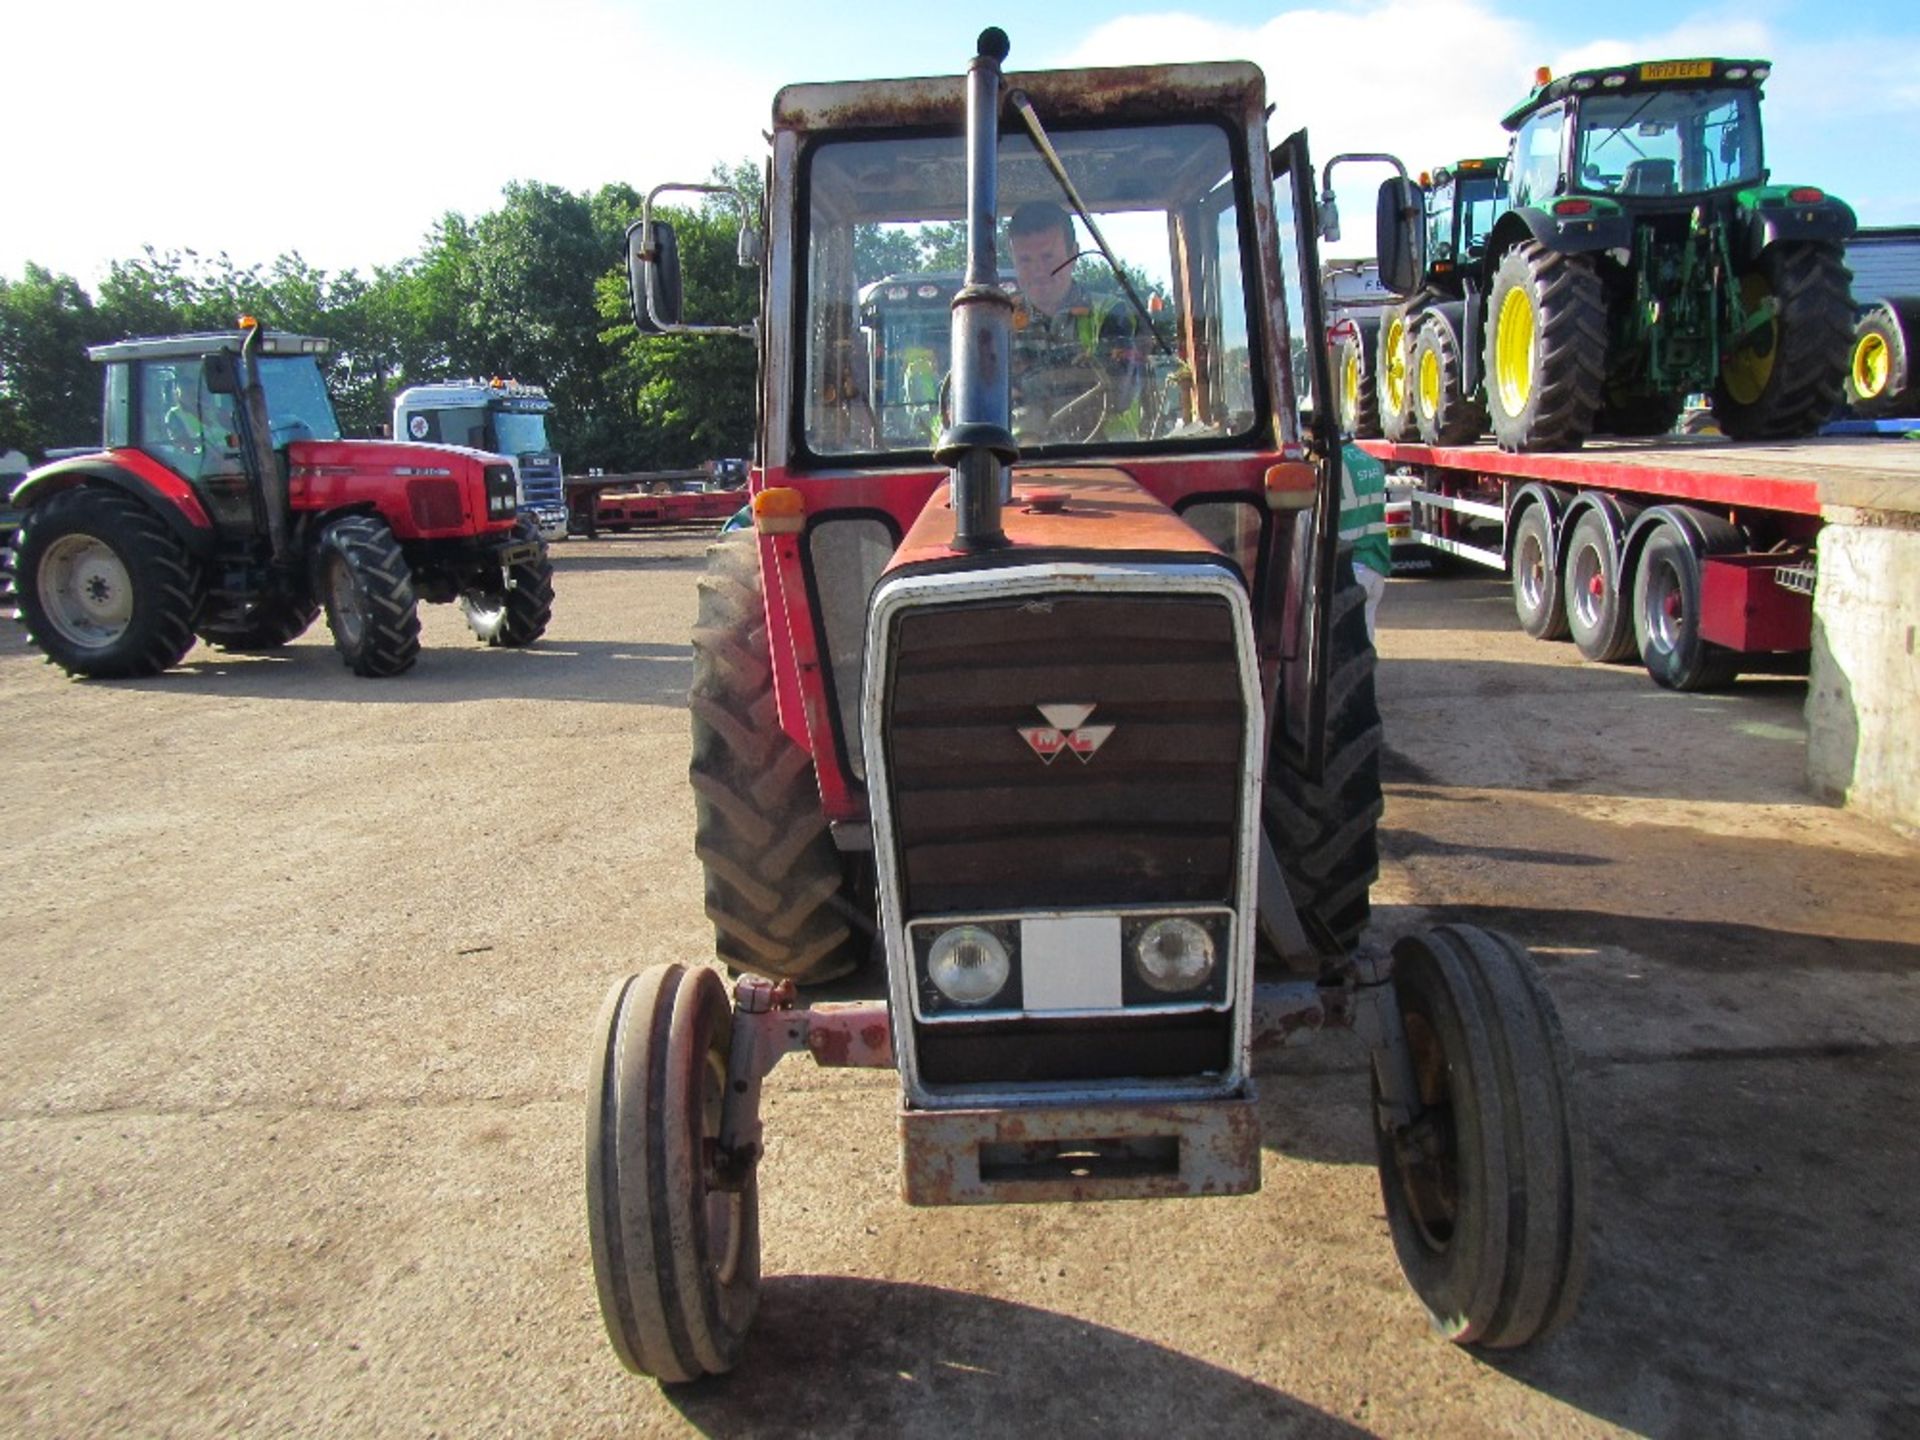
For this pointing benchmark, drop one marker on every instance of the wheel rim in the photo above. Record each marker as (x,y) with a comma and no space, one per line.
(86,591)
(484,613)
(344,601)
(1431,1183)
(1748,368)
(1396,369)
(1513,350)
(1588,590)
(1429,391)
(725,1231)
(1532,565)
(1871,362)
(1666,608)
(1350,387)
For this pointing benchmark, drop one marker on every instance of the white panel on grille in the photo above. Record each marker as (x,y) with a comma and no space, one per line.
(1071,964)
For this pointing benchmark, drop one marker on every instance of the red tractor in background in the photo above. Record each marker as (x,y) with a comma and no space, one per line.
(223,504)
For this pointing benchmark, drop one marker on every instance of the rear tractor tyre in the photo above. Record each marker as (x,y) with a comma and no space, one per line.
(1546,349)
(1537,597)
(1487,1193)
(1354,381)
(675,1241)
(104,588)
(1879,369)
(1393,351)
(275,620)
(1666,616)
(361,575)
(1325,832)
(1639,415)
(1787,376)
(1443,414)
(775,884)
(1597,613)
(519,614)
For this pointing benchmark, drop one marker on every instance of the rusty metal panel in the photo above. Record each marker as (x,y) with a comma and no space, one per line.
(1080,1152)
(855,1033)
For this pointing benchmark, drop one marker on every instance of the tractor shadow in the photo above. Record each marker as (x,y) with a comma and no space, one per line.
(834,1355)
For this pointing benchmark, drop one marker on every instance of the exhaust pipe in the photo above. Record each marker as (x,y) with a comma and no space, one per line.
(259,438)
(978,447)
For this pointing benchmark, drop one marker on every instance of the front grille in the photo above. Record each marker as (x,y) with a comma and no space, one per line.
(1041,1051)
(981,822)
(435,504)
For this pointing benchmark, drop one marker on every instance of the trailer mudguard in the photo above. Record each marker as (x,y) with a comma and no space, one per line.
(1619,518)
(1550,498)
(1567,234)
(138,475)
(1768,214)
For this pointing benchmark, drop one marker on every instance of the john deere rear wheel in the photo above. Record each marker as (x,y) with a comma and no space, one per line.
(773,877)
(1785,379)
(1879,373)
(1546,349)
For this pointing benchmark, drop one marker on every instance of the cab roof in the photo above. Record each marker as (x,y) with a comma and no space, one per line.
(174,347)
(1641,76)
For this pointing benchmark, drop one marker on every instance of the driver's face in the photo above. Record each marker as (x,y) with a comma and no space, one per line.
(1040,262)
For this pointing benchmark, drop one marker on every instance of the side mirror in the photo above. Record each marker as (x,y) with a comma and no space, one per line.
(653,275)
(220,375)
(1399,236)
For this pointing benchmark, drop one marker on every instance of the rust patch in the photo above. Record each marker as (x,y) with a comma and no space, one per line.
(850,1034)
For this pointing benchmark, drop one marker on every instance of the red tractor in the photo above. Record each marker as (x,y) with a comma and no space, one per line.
(1059,710)
(224,504)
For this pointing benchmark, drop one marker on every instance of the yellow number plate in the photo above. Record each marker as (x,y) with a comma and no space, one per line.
(1399,532)
(1677,70)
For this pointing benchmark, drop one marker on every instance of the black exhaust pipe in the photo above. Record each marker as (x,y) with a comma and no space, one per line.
(978,447)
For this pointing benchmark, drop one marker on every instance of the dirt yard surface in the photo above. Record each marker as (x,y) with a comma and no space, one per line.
(297,971)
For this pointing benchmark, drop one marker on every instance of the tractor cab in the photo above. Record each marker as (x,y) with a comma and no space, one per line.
(1462,202)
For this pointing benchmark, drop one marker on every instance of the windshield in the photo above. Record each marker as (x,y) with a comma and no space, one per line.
(1668,142)
(1481,201)
(886,246)
(297,396)
(519,432)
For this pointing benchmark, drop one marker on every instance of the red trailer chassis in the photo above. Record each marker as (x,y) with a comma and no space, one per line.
(648,497)
(1736,525)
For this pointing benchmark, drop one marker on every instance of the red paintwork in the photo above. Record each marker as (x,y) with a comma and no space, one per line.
(137,463)
(793,630)
(671,509)
(1743,608)
(332,474)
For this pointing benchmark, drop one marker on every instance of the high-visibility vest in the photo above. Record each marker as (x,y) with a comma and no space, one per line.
(1363,509)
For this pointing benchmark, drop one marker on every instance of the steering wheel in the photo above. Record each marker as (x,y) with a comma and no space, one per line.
(1078,420)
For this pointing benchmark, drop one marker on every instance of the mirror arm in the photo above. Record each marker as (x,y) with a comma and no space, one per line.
(750,330)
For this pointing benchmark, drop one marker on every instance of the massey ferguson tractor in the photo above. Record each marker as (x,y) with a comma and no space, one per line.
(1065,716)
(224,504)
(1645,255)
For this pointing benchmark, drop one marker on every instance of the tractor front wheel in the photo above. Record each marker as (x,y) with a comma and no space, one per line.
(1879,370)
(1442,411)
(1546,349)
(774,881)
(517,614)
(1393,389)
(1785,378)
(1354,382)
(105,589)
(673,1226)
(361,575)
(1486,1192)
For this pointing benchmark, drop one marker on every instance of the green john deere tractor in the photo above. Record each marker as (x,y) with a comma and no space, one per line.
(1644,256)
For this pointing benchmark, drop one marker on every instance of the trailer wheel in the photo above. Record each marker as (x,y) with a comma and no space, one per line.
(1486,1193)
(361,575)
(517,615)
(1786,379)
(104,588)
(676,1248)
(1392,352)
(1597,614)
(275,620)
(1878,370)
(1443,414)
(1324,831)
(1666,616)
(1354,363)
(1537,598)
(774,882)
(1546,349)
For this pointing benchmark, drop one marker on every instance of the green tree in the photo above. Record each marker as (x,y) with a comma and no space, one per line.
(49,390)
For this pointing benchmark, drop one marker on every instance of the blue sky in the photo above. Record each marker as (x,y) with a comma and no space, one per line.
(351,125)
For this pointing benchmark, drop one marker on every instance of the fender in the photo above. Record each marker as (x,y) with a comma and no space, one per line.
(1550,498)
(1707,533)
(1568,234)
(1767,215)
(137,474)
(1618,516)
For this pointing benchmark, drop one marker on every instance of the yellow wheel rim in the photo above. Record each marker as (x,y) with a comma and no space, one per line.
(1871,363)
(1513,338)
(1429,387)
(1350,386)
(1745,371)
(1394,348)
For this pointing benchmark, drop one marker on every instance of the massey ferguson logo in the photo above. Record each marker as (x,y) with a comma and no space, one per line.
(1066,730)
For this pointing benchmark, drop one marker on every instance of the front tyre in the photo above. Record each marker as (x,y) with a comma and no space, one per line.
(519,613)
(1442,411)
(1354,379)
(362,577)
(1392,389)
(1546,349)
(1785,378)
(105,589)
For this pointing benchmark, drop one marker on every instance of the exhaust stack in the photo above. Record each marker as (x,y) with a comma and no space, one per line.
(978,447)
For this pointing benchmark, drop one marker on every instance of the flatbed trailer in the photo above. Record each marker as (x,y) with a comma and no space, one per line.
(647,497)
(1694,552)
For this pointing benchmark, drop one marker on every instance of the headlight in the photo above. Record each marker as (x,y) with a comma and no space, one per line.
(1174,954)
(969,965)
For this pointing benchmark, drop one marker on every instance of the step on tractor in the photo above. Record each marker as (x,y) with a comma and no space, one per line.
(223,504)
(1063,719)
(503,417)
(1644,254)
